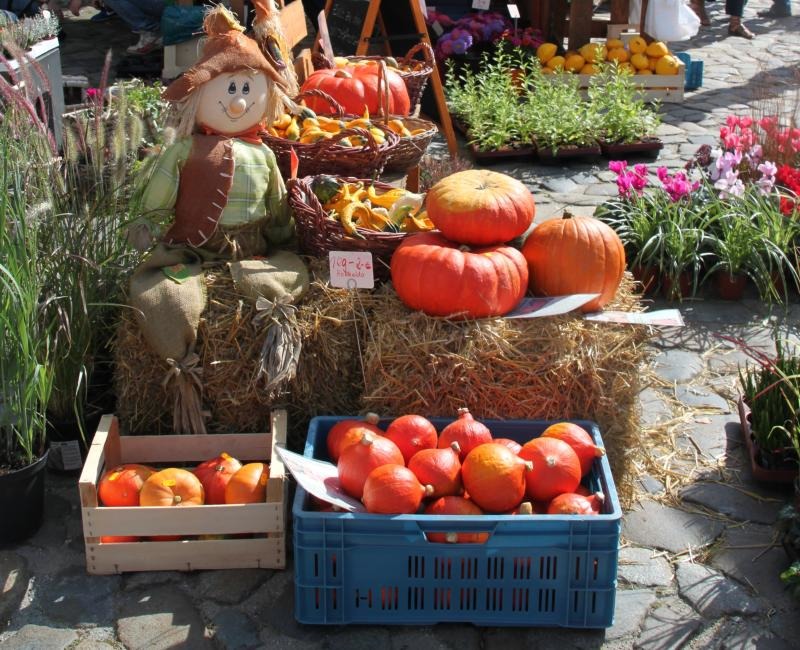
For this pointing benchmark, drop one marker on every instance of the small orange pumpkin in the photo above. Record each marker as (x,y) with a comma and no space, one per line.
(172,487)
(121,485)
(556,468)
(439,468)
(248,485)
(214,474)
(466,431)
(358,460)
(454,506)
(579,439)
(346,432)
(480,207)
(412,433)
(494,476)
(394,490)
(575,255)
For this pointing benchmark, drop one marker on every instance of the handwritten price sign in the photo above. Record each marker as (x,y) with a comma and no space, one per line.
(351,270)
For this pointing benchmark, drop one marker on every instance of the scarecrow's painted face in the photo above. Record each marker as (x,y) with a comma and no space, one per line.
(233,101)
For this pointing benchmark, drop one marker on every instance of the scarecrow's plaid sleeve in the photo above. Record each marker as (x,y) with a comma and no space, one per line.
(257,189)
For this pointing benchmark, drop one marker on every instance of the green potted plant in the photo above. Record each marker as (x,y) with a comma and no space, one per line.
(25,373)
(769,409)
(626,123)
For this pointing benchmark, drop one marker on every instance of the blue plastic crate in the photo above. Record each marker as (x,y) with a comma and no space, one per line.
(538,570)
(694,71)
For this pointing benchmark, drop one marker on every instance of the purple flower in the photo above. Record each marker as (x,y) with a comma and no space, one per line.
(768,168)
(729,185)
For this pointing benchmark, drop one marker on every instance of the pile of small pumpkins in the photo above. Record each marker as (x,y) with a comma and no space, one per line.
(464,470)
(638,57)
(217,481)
(468,269)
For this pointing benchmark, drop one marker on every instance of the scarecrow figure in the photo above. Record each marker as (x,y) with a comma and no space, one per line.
(219,188)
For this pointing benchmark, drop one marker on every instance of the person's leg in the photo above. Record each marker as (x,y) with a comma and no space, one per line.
(735,9)
(140,15)
(699,8)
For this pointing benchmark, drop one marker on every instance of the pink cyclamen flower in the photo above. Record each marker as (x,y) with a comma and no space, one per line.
(745,122)
(617,166)
(663,174)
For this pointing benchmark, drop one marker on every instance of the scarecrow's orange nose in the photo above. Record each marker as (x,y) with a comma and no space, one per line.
(237,107)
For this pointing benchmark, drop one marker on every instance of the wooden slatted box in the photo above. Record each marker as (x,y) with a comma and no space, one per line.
(265,549)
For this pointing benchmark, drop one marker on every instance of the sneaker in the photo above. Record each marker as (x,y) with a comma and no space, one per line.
(103,15)
(775,12)
(148,41)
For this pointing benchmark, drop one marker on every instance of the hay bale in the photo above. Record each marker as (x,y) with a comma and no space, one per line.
(328,378)
(542,368)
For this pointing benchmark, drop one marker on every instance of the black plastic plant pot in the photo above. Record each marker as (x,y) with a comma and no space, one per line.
(22,501)
(567,152)
(645,146)
(504,153)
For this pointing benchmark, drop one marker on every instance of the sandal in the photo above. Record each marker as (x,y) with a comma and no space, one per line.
(740,30)
(700,11)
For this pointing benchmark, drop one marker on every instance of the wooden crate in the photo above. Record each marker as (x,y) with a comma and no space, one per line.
(665,88)
(266,549)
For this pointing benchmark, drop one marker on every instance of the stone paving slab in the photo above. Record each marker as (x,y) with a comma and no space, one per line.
(654,525)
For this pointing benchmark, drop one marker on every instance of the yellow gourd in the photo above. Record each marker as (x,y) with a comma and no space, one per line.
(293,131)
(574,62)
(640,61)
(667,65)
(657,49)
(618,54)
(556,63)
(546,51)
(637,45)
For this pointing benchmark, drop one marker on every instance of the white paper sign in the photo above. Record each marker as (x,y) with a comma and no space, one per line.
(513,11)
(481,4)
(662,317)
(538,307)
(324,36)
(351,269)
(437,28)
(320,479)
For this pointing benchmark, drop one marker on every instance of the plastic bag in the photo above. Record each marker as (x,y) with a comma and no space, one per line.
(181,23)
(666,20)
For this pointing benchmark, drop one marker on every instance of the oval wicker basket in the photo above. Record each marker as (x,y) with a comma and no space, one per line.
(409,150)
(415,78)
(318,234)
(330,157)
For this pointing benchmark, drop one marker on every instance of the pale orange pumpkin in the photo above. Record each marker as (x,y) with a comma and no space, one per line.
(248,485)
(172,487)
(494,477)
(480,207)
(394,490)
(575,255)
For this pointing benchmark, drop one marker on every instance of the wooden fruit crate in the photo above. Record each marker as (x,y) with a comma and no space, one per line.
(665,88)
(262,544)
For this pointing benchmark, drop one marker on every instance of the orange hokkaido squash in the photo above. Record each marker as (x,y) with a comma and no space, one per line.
(453,506)
(248,485)
(480,207)
(579,439)
(346,432)
(439,468)
(172,487)
(556,468)
(412,433)
(466,431)
(575,255)
(121,485)
(214,474)
(441,278)
(358,460)
(394,490)
(356,89)
(494,476)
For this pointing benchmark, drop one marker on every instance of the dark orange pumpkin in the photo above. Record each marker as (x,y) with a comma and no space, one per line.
(466,431)
(455,506)
(214,474)
(172,487)
(394,490)
(121,485)
(439,468)
(356,88)
(441,278)
(412,433)
(480,207)
(556,468)
(575,255)
(118,539)
(248,485)
(570,503)
(346,432)
(579,439)
(358,460)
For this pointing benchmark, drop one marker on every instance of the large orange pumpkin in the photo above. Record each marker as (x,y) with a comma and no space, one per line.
(412,433)
(393,490)
(480,207)
(575,255)
(345,432)
(356,88)
(358,460)
(439,468)
(579,439)
(556,468)
(172,487)
(121,485)
(441,278)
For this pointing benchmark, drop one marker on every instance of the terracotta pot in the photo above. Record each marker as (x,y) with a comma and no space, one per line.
(761,472)
(683,290)
(647,276)
(730,287)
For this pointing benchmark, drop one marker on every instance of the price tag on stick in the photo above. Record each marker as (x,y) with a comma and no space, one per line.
(513,11)
(351,269)
(481,4)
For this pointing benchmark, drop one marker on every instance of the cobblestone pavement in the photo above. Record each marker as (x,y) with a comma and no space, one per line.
(698,565)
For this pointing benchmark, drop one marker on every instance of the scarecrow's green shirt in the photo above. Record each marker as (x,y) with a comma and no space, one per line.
(257,191)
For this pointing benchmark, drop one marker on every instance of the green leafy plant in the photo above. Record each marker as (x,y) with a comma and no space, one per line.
(791,577)
(621,114)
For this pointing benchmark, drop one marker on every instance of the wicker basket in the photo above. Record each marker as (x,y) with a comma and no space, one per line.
(415,78)
(318,234)
(409,150)
(330,157)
